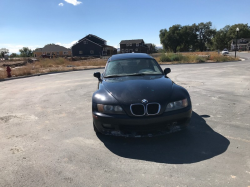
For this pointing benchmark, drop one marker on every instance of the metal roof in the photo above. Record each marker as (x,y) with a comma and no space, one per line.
(108,46)
(91,36)
(96,37)
(88,41)
(131,41)
(129,56)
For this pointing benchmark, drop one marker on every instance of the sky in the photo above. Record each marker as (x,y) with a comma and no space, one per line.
(35,23)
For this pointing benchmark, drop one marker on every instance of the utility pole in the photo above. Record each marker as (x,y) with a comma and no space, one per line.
(237,30)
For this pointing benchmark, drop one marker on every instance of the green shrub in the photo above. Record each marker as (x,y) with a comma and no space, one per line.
(174,57)
(165,58)
(195,57)
(200,59)
(222,59)
(170,57)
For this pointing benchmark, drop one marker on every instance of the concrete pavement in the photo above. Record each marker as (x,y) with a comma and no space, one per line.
(46,135)
(244,54)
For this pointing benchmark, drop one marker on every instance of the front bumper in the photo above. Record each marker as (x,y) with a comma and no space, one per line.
(146,126)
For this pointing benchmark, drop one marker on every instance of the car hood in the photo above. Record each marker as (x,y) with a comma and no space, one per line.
(132,89)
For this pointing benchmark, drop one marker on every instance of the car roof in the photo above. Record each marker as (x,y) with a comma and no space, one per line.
(129,56)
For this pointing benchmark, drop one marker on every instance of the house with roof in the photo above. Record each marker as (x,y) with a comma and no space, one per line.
(92,45)
(136,46)
(52,50)
(243,44)
(150,47)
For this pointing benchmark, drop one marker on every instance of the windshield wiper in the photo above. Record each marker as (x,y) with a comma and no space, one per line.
(136,74)
(111,76)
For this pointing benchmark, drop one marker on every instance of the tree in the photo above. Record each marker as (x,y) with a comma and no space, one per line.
(224,36)
(161,50)
(205,34)
(26,52)
(189,37)
(220,40)
(200,36)
(244,31)
(14,55)
(4,51)
(154,49)
(171,39)
(162,35)
(184,38)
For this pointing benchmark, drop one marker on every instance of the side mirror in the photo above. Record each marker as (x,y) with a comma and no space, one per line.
(167,71)
(97,75)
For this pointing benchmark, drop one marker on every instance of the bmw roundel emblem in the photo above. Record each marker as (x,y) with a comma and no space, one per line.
(144,101)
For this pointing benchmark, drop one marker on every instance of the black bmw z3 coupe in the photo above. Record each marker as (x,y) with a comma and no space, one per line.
(136,98)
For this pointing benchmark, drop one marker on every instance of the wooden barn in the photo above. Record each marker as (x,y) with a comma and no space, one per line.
(92,45)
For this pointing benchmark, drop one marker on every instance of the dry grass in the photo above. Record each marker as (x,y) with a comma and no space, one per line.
(62,64)
(3,74)
(53,65)
(194,57)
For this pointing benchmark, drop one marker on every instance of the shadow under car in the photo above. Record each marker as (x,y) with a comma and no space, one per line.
(197,143)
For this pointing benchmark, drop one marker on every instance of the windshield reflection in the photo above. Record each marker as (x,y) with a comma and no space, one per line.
(132,67)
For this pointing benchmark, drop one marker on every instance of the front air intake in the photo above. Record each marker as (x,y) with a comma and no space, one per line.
(137,109)
(153,108)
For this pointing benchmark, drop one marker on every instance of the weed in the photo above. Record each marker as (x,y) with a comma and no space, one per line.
(200,59)
(195,57)
(165,58)
(62,64)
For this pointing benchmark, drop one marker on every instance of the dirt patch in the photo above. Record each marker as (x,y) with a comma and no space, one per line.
(6,119)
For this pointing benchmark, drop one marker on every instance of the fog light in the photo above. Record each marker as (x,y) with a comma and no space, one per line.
(107,125)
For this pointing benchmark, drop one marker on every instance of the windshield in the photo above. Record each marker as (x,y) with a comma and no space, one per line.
(132,67)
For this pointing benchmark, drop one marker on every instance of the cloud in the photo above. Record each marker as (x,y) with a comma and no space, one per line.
(158,45)
(60,4)
(67,45)
(73,2)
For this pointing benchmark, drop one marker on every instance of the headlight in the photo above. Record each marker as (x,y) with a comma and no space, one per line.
(177,105)
(110,109)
